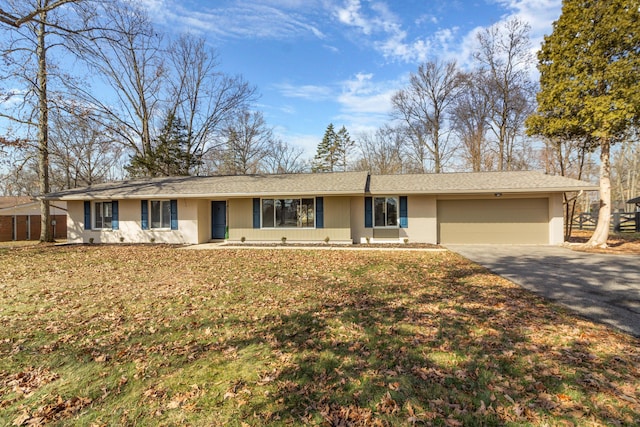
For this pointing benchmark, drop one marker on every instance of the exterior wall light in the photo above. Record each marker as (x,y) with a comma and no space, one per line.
(497,194)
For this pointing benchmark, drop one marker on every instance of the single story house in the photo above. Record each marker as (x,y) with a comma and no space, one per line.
(343,207)
(20,219)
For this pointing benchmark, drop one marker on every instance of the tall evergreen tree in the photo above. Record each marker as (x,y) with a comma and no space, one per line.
(169,155)
(344,146)
(588,83)
(333,152)
(327,155)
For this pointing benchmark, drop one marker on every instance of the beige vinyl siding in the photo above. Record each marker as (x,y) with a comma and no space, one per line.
(421,220)
(337,223)
(386,233)
(204,220)
(359,233)
(506,221)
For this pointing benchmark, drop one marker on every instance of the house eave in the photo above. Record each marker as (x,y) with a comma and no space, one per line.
(481,191)
(207,196)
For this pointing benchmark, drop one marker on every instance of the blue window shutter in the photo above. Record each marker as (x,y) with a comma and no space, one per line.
(87,215)
(404,220)
(174,214)
(115,224)
(319,212)
(368,212)
(144,214)
(256,213)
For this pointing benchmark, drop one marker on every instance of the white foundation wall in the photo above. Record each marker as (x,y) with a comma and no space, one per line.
(75,221)
(130,228)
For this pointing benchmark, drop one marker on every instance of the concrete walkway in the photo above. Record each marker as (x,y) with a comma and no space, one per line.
(601,287)
(295,246)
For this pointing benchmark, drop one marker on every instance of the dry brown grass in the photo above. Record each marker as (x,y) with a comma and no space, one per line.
(152,335)
(618,243)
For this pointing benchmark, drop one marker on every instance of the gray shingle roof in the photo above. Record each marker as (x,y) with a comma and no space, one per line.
(339,183)
(344,183)
(12,201)
(475,182)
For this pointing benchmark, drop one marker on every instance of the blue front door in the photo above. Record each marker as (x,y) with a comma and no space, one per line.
(218,220)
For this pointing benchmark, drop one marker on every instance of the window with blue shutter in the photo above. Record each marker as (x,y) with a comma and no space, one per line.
(115,223)
(174,214)
(404,217)
(368,212)
(87,215)
(256,213)
(144,214)
(319,212)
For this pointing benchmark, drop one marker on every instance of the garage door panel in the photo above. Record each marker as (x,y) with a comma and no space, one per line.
(494,221)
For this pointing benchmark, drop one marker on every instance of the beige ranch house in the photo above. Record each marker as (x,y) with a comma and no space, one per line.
(346,207)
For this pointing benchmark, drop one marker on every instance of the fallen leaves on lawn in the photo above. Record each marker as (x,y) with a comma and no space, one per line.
(26,382)
(301,337)
(60,409)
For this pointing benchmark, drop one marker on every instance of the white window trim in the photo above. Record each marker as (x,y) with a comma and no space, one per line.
(150,213)
(94,212)
(373,213)
(274,213)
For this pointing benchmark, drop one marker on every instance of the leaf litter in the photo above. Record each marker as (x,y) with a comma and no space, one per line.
(154,335)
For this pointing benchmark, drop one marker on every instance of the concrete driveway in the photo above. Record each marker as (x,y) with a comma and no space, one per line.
(604,288)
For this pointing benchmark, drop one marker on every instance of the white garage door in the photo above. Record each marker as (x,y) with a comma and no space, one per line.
(513,221)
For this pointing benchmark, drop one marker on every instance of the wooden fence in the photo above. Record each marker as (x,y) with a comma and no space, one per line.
(621,222)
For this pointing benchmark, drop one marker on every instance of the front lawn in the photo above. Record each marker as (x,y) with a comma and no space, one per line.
(153,335)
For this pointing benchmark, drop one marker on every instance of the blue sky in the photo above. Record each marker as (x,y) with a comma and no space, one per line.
(317,62)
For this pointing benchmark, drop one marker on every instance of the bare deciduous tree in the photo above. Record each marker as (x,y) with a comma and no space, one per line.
(248,140)
(469,118)
(17,17)
(625,170)
(36,27)
(381,152)
(125,51)
(202,96)
(423,108)
(505,57)
(284,158)
(82,150)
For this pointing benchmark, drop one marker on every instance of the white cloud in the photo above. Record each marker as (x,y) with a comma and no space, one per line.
(361,95)
(384,30)
(12,98)
(539,14)
(308,142)
(308,92)
(364,103)
(350,15)
(272,19)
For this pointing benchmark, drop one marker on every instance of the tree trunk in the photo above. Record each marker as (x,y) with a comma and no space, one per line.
(601,233)
(43,131)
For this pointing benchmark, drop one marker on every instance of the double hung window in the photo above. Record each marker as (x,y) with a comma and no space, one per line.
(103,216)
(160,214)
(385,211)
